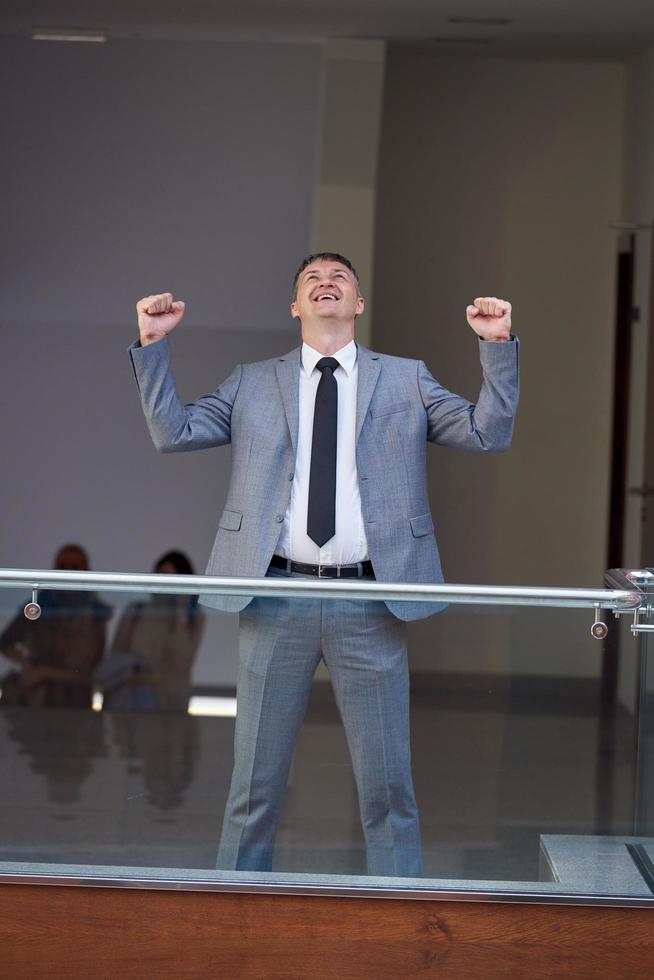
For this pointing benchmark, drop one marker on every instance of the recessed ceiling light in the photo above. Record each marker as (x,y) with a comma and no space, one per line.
(480,21)
(458,40)
(437,43)
(68,34)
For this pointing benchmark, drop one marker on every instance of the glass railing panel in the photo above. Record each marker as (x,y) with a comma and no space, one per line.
(644,817)
(118,720)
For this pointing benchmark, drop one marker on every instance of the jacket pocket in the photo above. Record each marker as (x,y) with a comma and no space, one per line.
(230,520)
(420,526)
(378,413)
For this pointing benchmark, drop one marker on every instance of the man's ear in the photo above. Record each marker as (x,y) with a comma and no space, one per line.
(360,307)
(294,310)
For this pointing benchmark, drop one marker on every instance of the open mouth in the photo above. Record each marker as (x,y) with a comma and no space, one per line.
(325,298)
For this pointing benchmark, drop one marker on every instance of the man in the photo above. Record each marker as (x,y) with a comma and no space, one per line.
(328,479)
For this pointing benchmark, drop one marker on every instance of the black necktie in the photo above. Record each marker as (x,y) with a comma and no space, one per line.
(321,516)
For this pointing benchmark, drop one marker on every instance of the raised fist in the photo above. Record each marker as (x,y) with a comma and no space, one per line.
(157,316)
(490,318)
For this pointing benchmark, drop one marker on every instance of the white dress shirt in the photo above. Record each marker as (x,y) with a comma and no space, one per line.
(349,543)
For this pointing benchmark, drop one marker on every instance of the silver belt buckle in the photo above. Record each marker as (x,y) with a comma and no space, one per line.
(320,571)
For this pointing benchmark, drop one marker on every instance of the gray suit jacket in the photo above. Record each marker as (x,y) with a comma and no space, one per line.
(400,408)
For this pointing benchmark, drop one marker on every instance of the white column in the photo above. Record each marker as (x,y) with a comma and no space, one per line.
(344,220)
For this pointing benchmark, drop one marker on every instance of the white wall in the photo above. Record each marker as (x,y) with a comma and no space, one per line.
(501,178)
(353,85)
(139,166)
(129,168)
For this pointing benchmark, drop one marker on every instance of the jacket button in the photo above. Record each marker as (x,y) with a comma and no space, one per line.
(291,475)
(279,518)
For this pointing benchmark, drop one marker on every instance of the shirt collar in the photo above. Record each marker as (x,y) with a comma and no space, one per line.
(346,357)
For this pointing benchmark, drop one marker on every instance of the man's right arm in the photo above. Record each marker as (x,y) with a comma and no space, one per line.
(175,427)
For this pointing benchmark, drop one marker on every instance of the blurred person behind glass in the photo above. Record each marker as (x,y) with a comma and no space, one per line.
(156,641)
(54,656)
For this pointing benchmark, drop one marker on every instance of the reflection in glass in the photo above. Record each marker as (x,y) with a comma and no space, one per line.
(154,649)
(512,776)
(49,662)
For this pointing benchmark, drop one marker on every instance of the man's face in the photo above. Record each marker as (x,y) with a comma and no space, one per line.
(327,290)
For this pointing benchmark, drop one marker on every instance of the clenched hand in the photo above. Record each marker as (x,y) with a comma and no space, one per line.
(490,318)
(157,316)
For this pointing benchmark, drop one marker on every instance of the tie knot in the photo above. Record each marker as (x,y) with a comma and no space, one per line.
(327,362)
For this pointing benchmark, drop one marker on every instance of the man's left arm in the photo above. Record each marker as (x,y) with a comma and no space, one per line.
(486,426)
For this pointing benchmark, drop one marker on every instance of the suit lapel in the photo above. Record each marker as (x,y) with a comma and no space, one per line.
(287,370)
(369,367)
(288,378)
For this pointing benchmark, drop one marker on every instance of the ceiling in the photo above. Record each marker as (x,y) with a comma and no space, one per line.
(596,29)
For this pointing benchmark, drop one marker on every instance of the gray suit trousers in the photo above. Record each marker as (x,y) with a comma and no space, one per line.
(281,642)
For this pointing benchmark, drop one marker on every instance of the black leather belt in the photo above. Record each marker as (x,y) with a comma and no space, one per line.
(359,570)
